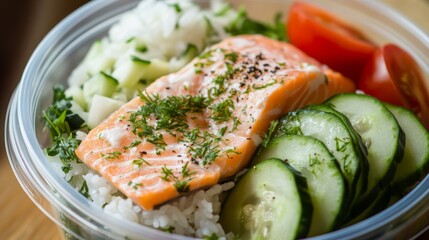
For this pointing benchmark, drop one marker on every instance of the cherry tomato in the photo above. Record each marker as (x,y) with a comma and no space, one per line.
(328,39)
(393,76)
(376,81)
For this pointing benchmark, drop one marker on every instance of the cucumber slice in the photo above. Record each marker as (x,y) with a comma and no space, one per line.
(326,184)
(415,163)
(381,134)
(100,84)
(101,108)
(360,148)
(270,201)
(377,205)
(329,129)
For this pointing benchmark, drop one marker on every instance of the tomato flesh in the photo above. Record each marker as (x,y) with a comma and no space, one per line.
(328,39)
(393,76)
(375,80)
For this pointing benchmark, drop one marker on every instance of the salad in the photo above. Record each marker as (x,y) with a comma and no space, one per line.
(208,122)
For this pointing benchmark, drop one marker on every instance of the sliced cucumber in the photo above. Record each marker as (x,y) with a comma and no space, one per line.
(329,129)
(101,108)
(357,139)
(415,163)
(381,134)
(360,148)
(377,205)
(326,184)
(100,84)
(270,201)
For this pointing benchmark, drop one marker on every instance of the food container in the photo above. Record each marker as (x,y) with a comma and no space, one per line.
(64,47)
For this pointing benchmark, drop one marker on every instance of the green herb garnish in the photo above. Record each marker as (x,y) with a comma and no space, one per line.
(222,111)
(133,144)
(84,189)
(139,161)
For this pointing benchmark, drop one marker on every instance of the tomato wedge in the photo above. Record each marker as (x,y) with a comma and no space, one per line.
(328,39)
(393,76)
(376,80)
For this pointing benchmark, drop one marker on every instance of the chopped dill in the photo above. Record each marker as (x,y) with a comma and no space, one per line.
(139,161)
(133,144)
(134,185)
(222,111)
(111,155)
(166,173)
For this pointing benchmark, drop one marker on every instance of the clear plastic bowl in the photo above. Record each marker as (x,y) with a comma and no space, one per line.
(65,46)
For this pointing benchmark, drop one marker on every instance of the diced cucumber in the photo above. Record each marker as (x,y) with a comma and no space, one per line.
(101,108)
(190,53)
(381,134)
(77,94)
(329,129)
(326,184)
(270,201)
(415,163)
(131,71)
(100,84)
(96,60)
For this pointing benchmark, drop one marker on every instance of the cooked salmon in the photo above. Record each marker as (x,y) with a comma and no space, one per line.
(192,128)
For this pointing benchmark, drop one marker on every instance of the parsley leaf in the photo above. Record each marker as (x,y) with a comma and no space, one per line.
(242,24)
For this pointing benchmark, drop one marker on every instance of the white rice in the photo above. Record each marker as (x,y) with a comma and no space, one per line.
(154,23)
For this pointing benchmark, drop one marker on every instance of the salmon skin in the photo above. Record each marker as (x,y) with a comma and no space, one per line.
(192,128)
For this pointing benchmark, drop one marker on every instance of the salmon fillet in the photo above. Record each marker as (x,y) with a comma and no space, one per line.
(192,128)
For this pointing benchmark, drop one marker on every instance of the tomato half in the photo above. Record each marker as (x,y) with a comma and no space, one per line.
(376,81)
(328,39)
(393,76)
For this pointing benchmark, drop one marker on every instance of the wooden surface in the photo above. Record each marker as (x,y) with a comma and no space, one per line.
(20,219)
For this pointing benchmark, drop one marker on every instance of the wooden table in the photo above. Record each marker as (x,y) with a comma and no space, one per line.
(20,219)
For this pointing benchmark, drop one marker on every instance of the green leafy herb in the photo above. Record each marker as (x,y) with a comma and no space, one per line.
(181,186)
(176,7)
(235,124)
(341,144)
(133,144)
(139,161)
(170,114)
(111,155)
(134,185)
(166,173)
(222,111)
(242,24)
(58,117)
(65,148)
(258,87)
(84,189)
(186,172)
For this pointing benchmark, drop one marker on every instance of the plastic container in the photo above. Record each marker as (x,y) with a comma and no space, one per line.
(64,47)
